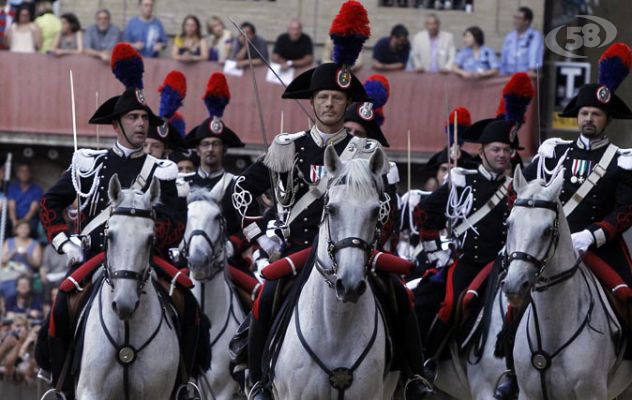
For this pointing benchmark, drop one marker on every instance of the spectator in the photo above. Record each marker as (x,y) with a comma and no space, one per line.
(391,53)
(221,39)
(475,60)
(145,32)
(189,45)
(24,36)
(53,268)
(293,48)
(328,50)
(432,50)
(240,51)
(22,248)
(523,48)
(24,197)
(48,24)
(11,342)
(24,301)
(70,39)
(100,38)
(5,22)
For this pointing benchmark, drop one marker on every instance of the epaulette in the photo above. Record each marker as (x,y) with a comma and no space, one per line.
(280,155)
(183,187)
(624,160)
(547,148)
(166,170)
(458,175)
(85,160)
(392,176)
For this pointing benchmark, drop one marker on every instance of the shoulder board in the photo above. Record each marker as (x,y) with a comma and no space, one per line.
(624,160)
(393,173)
(280,154)
(183,187)
(166,170)
(85,159)
(458,175)
(547,148)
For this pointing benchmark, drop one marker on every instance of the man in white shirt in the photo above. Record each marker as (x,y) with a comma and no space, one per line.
(432,50)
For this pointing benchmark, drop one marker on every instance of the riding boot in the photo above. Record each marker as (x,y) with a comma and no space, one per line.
(195,341)
(507,386)
(260,324)
(417,387)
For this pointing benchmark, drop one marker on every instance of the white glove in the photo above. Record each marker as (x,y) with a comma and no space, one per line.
(229,249)
(582,241)
(271,245)
(73,252)
(442,257)
(261,262)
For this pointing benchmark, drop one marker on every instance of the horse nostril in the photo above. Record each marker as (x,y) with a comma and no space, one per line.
(524,287)
(114,305)
(361,288)
(340,288)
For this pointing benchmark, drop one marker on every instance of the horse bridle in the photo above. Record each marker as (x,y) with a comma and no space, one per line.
(331,274)
(217,260)
(540,264)
(111,275)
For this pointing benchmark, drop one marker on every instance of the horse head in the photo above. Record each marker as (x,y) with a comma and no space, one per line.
(351,211)
(205,235)
(129,237)
(534,227)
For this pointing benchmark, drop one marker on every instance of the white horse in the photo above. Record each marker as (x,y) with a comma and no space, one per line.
(564,347)
(204,247)
(337,318)
(468,376)
(131,350)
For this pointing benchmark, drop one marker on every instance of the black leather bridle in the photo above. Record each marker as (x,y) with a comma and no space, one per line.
(110,274)
(217,257)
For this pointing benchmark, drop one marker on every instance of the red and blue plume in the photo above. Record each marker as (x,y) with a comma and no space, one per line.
(172,93)
(177,122)
(378,116)
(463,121)
(217,95)
(614,65)
(349,30)
(377,89)
(517,95)
(127,65)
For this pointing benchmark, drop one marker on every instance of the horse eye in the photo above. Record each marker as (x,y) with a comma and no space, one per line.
(332,210)
(375,212)
(547,231)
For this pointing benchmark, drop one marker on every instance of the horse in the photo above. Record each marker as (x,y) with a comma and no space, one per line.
(204,248)
(131,348)
(335,343)
(474,372)
(564,347)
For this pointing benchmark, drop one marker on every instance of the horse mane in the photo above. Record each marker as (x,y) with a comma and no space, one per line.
(199,193)
(357,177)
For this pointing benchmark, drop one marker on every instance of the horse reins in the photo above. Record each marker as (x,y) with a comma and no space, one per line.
(541,360)
(216,262)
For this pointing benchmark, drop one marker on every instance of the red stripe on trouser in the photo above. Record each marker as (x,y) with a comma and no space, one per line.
(51,320)
(445,312)
(607,275)
(255,306)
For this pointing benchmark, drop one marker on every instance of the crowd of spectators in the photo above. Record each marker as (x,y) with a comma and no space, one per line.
(29,274)
(431,50)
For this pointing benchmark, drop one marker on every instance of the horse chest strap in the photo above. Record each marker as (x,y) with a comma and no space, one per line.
(341,378)
(126,355)
(541,360)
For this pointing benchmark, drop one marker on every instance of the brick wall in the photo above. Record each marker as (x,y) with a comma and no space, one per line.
(270,18)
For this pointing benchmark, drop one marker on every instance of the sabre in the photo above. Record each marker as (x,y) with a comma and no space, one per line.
(537,93)
(74,138)
(454,140)
(97,125)
(5,184)
(408,168)
(267,65)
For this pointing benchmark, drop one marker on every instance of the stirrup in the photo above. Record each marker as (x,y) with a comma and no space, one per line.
(255,389)
(197,393)
(431,364)
(58,395)
(429,389)
(45,376)
(502,375)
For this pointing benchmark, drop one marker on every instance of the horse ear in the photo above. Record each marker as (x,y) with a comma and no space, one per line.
(519,181)
(332,161)
(154,191)
(377,162)
(557,183)
(114,189)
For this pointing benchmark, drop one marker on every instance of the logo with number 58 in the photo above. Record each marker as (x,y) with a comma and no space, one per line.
(581,36)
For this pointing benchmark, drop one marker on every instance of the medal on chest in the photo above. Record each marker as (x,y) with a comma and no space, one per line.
(316,172)
(580,170)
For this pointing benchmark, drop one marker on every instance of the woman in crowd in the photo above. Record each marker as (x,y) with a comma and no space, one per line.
(24,302)
(475,60)
(24,36)
(189,45)
(70,39)
(20,255)
(221,39)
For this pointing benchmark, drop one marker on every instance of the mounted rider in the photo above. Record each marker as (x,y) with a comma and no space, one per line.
(472,206)
(87,179)
(293,168)
(597,190)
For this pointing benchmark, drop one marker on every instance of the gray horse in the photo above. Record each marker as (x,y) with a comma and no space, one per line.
(130,350)
(204,246)
(564,344)
(337,316)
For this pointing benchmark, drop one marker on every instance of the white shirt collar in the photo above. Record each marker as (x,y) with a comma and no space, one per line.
(211,175)
(591,144)
(323,139)
(126,152)
(489,175)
